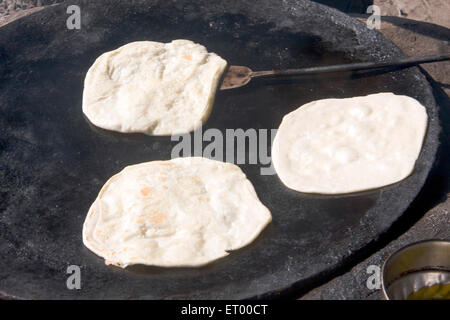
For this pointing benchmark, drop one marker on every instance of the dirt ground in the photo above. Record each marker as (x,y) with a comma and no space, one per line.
(433,11)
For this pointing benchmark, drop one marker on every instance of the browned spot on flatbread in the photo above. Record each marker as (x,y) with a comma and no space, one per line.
(154,216)
(145,191)
(158,217)
(166,164)
(187,57)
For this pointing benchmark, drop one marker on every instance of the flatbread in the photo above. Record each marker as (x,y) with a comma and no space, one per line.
(337,146)
(152,87)
(181,212)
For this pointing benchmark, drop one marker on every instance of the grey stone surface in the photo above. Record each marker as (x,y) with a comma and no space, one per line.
(353,285)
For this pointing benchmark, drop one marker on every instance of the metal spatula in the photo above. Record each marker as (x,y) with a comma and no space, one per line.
(238,76)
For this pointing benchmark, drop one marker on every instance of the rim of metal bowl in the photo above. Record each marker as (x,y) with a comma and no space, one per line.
(395,253)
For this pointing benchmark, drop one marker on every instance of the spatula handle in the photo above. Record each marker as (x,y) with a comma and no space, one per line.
(403,62)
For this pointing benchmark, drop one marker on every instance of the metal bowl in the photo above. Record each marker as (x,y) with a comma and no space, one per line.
(416,266)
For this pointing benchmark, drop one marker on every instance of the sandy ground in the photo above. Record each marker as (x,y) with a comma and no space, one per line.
(434,11)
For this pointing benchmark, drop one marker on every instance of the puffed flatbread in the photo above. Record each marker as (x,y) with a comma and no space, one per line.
(334,146)
(152,87)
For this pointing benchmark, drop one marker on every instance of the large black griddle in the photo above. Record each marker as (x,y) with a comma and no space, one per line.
(53,162)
